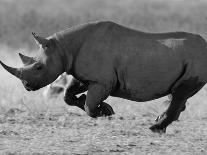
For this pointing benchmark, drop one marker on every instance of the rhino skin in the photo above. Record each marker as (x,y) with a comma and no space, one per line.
(113,60)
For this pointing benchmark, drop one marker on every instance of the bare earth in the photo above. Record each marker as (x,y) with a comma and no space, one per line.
(70,131)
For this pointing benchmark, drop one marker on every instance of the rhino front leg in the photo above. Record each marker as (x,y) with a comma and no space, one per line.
(75,87)
(94,106)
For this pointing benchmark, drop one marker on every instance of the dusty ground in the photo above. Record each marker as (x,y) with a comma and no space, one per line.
(67,130)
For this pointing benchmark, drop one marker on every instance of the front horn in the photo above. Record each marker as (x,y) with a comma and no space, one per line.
(14,71)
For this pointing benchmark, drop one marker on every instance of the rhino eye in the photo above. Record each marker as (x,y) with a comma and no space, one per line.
(38,67)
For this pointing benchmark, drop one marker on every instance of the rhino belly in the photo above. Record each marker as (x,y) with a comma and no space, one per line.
(140,85)
(135,95)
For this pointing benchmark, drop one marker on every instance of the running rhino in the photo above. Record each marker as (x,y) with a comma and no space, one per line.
(107,59)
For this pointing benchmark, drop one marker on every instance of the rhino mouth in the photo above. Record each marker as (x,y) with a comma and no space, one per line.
(28,87)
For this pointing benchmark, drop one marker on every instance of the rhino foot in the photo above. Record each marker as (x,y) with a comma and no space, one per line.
(157,126)
(70,100)
(157,129)
(106,109)
(74,101)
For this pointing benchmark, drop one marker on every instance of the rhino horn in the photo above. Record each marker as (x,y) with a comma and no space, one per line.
(14,71)
(25,59)
(40,40)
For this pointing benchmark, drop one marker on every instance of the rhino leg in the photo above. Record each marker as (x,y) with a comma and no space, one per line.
(180,94)
(94,106)
(75,87)
(164,113)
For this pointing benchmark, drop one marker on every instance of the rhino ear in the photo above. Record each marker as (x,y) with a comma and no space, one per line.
(26,60)
(40,40)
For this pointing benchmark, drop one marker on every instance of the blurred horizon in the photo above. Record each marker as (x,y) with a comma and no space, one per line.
(45,17)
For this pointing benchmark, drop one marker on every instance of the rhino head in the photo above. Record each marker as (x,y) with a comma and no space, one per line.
(40,70)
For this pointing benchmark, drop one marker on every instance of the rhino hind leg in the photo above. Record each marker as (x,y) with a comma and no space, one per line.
(183,106)
(183,90)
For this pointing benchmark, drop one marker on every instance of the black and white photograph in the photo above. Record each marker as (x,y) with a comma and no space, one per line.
(103,77)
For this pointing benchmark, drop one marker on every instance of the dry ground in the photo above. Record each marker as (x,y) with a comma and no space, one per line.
(69,131)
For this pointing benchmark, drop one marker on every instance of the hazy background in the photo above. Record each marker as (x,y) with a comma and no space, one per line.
(19,18)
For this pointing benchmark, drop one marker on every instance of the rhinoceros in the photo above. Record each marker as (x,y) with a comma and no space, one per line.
(112,60)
